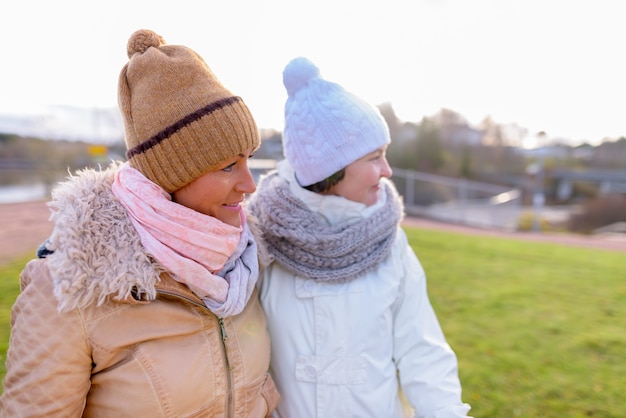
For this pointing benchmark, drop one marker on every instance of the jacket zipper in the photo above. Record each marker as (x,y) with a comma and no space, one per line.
(224,335)
(229,401)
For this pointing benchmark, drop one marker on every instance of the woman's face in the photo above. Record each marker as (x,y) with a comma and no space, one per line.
(220,193)
(361,182)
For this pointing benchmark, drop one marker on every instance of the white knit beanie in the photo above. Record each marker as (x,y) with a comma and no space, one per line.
(326,127)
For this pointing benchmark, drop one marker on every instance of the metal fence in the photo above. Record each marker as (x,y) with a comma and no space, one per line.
(458,200)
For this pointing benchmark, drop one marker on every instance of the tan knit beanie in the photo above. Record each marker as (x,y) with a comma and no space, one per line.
(180,122)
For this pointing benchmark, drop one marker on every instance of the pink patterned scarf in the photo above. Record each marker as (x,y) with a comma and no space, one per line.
(215,260)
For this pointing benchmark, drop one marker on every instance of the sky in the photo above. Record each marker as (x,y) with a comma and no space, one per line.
(556,66)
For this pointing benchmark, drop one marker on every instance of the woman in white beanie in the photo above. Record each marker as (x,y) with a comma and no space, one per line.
(351,323)
(143,302)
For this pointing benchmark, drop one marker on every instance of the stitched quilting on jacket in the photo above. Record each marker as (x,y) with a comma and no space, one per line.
(100,330)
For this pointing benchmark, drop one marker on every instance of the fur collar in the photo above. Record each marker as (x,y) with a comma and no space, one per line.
(97,252)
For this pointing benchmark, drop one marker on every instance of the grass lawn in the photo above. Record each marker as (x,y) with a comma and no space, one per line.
(539,329)
(9,289)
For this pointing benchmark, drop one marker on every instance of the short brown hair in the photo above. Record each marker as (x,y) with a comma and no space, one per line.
(327,183)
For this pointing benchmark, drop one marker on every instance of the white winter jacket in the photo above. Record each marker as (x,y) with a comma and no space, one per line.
(348,350)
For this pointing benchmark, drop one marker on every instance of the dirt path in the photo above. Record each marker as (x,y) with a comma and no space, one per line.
(23,226)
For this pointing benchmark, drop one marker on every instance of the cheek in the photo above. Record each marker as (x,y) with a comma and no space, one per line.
(369,177)
(197,197)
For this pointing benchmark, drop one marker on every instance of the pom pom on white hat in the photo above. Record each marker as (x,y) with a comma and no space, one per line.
(326,127)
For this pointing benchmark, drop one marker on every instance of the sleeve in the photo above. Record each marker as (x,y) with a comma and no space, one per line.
(427,366)
(48,361)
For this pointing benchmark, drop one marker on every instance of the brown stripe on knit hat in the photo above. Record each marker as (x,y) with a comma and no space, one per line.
(198,147)
(178,125)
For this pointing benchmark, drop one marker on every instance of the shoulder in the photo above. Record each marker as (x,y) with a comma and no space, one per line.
(36,273)
(401,245)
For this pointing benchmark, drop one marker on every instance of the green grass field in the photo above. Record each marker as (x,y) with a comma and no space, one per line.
(9,289)
(539,329)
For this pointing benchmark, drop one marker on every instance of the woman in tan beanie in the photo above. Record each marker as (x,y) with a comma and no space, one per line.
(143,301)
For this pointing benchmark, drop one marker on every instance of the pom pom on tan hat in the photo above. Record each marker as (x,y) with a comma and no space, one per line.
(180,122)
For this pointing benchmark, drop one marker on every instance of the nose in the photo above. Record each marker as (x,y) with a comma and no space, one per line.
(386,170)
(246,182)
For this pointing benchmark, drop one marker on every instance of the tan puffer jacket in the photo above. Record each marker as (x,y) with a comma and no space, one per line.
(95,333)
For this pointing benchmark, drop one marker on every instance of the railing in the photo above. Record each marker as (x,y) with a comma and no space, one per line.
(458,200)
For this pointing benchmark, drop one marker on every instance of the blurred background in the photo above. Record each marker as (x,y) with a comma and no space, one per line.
(504,114)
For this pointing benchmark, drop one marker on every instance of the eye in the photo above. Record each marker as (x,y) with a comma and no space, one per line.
(229,167)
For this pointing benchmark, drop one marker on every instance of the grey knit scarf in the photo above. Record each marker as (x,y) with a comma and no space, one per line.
(304,243)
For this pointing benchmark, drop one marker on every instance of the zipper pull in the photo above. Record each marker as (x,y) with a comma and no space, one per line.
(222,329)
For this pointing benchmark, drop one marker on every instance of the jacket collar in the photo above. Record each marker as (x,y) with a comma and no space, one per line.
(97,252)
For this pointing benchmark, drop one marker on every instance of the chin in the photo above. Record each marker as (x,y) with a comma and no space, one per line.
(370,201)
(235,222)
(230,220)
